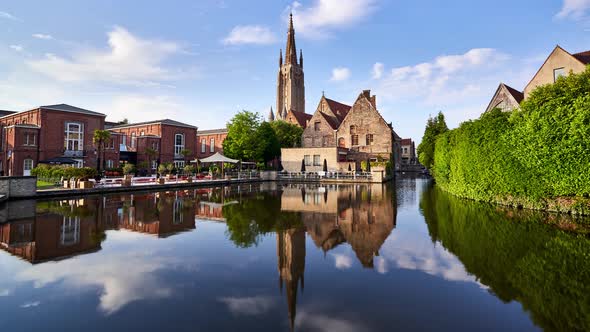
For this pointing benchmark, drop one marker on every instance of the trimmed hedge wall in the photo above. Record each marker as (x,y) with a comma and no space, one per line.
(537,157)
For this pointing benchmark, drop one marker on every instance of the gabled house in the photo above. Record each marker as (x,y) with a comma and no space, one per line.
(506,99)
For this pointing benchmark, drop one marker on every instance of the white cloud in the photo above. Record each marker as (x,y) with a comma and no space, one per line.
(250,34)
(575,9)
(322,16)
(30,304)
(42,36)
(313,321)
(377,72)
(342,262)
(18,48)
(128,60)
(142,107)
(8,16)
(140,281)
(248,306)
(340,74)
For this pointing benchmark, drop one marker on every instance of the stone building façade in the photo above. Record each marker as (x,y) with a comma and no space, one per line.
(559,63)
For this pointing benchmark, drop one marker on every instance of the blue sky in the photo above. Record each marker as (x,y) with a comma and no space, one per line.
(202,61)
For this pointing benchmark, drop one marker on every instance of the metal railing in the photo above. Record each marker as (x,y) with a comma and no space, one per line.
(325,175)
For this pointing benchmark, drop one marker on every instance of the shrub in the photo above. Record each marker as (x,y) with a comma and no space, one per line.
(129,168)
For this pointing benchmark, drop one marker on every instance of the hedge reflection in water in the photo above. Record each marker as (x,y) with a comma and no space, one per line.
(518,256)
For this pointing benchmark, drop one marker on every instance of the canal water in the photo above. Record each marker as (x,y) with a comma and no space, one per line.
(271,257)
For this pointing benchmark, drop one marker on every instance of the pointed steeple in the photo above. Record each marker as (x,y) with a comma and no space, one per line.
(281,58)
(301,58)
(291,50)
(271,115)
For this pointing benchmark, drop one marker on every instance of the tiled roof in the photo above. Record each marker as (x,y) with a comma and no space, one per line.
(212,131)
(339,109)
(518,96)
(331,121)
(163,121)
(301,117)
(70,108)
(4,112)
(583,57)
(406,141)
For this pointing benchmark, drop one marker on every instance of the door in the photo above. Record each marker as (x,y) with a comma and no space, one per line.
(28,167)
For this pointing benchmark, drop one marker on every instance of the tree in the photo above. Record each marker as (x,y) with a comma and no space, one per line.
(288,134)
(99,138)
(151,154)
(241,140)
(434,127)
(267,144)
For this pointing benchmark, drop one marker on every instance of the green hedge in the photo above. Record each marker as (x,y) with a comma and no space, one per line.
(55,173)
(537,157)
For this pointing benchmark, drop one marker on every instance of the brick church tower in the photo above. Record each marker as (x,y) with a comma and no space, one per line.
(290,83)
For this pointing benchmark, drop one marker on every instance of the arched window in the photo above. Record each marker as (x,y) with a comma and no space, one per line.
(353,130)
(178,144)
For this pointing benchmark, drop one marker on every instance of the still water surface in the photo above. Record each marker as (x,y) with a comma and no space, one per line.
(271,257)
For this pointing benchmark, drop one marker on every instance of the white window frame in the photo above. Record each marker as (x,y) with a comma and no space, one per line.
(212,145)
(307,160)
(557,73)
(110,163)
(203,145)
(178,147)
(179,164)
(70,231)
(318,158)
(28,139)
(79,140)
(30,163)
(154,164)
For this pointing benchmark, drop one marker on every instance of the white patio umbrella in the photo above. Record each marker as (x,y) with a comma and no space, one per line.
(217,158)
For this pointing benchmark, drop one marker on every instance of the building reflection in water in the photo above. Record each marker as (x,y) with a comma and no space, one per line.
(61,229)
(361,215)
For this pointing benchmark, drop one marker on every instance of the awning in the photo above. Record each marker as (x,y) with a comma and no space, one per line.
(59,161)
(217,158)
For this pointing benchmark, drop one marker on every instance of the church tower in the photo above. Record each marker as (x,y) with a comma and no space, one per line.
(290,82)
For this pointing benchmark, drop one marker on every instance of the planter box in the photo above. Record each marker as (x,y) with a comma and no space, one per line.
(161,180)
(66,184)
(86,185)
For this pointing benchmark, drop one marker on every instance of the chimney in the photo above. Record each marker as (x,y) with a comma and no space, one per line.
(367,93)
(374,101)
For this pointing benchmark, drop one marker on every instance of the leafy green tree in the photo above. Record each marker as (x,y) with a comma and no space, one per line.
(267,144)
(288,134)
(99,138)
(151,154)
(241,140)
(434,127)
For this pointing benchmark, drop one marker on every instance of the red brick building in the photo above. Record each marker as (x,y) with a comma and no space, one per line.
(153,142)
(210,141)
(55,133)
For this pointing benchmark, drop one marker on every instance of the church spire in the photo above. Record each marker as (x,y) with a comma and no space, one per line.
(281,58)
(271,115)
(301,58)
(291,51)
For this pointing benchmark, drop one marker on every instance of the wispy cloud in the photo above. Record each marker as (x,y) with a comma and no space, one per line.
(377,71)
(129,60)
(248,306)
(250,34)
(18,48)
(42,36)
(340,74)
(313,321)
(575,9)
(30,304)
(8,16)
(342,262)
(324,16)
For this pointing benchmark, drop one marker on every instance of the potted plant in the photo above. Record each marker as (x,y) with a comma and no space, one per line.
(170,169)
(162,171)
(128,170)
(85,174)
(189,170)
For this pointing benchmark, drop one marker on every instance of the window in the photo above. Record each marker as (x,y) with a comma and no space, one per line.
(557,73)
(74,136)
(178,143)
(30,139)
(405,150)
(354,140)
(212,145)
(353,130)
(142,133)
(154,164)
(316,160)
(27,167)
(133,140)
(124,140)
(316,126)
(341,142)
(203,145)
(178,216)
(369,139)
(110,164)
(70,231)
(307,159)
(155,146)
(179,164)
